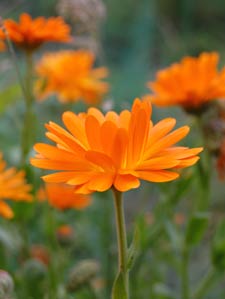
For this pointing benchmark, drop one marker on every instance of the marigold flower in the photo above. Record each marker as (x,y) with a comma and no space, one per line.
(29,34)
(63,197)
(71,76)
(191,83)
(97,152)
(12,186)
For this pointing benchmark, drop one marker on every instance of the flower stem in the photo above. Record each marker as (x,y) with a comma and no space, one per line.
(28,125)
(121,239)
(185,290)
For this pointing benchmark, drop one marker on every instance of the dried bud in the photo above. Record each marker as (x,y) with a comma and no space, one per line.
(85,14)
(6,285)
(82,274)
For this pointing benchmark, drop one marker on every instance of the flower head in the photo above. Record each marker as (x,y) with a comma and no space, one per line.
(12,186)
(63,197)
(29,34)
(71,76)
(191,83)
(98,151)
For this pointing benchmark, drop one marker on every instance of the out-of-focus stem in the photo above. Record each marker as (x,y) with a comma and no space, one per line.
(29,118)
(211,277)
(185,289)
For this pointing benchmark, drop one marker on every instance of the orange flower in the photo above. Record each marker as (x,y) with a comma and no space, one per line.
(191,83)
(12,186)
(70,74)
(29,34)
(63,197)
(97,152)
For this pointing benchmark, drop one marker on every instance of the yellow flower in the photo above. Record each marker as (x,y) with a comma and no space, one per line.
(98,151)
(13,187)
(70,75)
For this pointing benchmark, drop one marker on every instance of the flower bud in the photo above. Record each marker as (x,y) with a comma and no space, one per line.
(65,235)
(82,274)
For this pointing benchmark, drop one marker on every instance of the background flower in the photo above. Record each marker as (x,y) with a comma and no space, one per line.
(70,74)
(63,197)
(190,83)
(13,187)
(30,34)
(97,152)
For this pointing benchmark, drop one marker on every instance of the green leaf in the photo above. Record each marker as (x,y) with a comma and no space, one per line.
(196,228)
(132,251)
(173,234)
(119,291)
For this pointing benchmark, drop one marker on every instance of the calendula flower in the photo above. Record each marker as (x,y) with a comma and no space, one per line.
(29,34)
(63,197)
(13,187)
(70,75)
(191,83)
(98,151)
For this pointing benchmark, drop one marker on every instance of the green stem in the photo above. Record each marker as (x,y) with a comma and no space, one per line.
(26,85)
(28,125)
(185,289)
(54,272)
(121,238)
(207,282)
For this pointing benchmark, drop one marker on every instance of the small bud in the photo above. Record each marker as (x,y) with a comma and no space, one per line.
(82,274)
(34,270)
(6,285)
(65,235)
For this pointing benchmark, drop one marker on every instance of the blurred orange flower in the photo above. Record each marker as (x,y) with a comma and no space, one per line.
(29,34)
(71,76)
(191,83)
(63,197)
(97,152)
(40,253)
(2,44)
(12,186)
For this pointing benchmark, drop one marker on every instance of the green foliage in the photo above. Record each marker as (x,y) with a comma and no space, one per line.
(196,228)
(8,96)
(218,247)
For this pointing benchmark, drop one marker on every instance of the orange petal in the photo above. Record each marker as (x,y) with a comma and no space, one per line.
(101,182)
(5,210)
(92,128)
(125,182)
(157,176)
